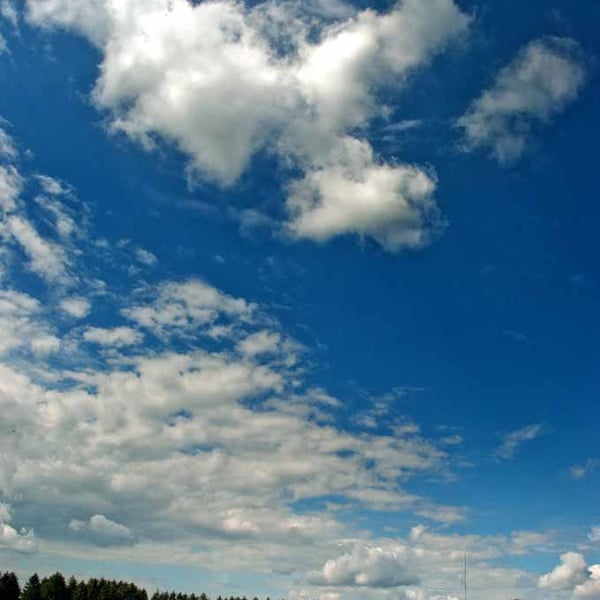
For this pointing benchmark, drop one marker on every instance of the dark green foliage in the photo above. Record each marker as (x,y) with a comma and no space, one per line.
(32,589)
(9,586)
(55,587)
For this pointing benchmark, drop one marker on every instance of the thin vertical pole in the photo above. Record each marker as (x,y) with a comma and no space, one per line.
(465,575)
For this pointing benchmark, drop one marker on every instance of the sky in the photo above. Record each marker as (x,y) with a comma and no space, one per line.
(300,299)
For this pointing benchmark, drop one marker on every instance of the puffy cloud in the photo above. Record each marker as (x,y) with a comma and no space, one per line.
(590,588)
(186,307)
(22,326)
(369,567)
(11,539)
(545,77)
(230,461)
(229,432)
(102,530)
(261,342)
(571,572)
(392,204)
(223,81)
(574,574)
(227,425)
(45,344)
(115,337)
(512,441)
(76,307)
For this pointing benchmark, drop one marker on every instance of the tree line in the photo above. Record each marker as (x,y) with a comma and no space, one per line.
(56,587)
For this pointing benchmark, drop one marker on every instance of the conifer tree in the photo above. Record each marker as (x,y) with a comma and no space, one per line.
(32,589)
(54,587)
(9,586)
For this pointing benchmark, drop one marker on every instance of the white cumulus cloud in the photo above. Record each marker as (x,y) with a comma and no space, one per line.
(76,307)
(114,337)
(544,78)
(571,572)
(11,539)
(103,530)
(369,567)
(591,588)
(223,81)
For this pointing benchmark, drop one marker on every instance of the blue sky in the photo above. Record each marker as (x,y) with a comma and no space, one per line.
(300,299)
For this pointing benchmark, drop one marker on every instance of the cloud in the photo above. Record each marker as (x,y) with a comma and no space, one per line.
(354,194)
(8,12)
(53,186)
(517,336)
(261,342)
(594,534)
(571,572)
(214,431)
(115,337)
(574,574)
(223,81)
(186,307)
(544,78)
(7,146)
(103,530)
(512,441)
(45,344)
(11,184)
(50,254)
(367,567)
(76,307)
(146,257)
(45,258)
(591,588)
(442,514)
(21,325)
(11,539)
(582,471)
(227,433)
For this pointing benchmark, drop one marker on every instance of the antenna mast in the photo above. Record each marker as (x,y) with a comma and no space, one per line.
(465,575)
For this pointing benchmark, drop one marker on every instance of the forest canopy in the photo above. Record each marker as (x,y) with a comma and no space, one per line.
(57,587)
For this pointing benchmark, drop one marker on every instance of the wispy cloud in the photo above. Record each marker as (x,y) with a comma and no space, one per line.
(512,442)
(583,470)
(544,78)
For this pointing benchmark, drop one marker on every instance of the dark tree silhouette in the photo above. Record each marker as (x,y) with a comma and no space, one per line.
(55,587)
(9,587)
(32,589)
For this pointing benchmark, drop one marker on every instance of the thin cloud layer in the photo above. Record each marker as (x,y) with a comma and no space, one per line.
(223,82)
(544,78)
(512,441)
